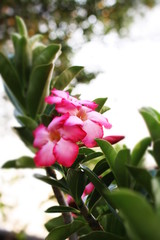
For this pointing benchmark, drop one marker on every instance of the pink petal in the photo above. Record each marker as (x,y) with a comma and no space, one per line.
(88,188)
(73,120)
(99,118)
(93,130)
(73,133)
(60,93)
(57,122)
(66,152)
(113,139)
(66,106)
(41,136)
(44,157)
(89,104)
(53,100)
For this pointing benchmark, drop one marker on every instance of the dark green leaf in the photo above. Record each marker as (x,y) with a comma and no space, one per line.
(11,79)
(38,88)
(76,181)
(140,220)
(152,122)
(139,151)
(101,167)
(100,102)
(86,151)
(64,231)
(102,236)
(66,77)
(156,151)
(52,182)
(155,183)
(37,51)
(48,55)
(58,209)
(122,158)
(26,136)
(22,162)
(55,222)
(142,177)
(92,156)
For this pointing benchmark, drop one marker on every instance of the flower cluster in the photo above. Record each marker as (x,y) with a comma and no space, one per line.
(78,122)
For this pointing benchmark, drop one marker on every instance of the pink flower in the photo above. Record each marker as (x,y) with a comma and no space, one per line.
(92,121)
(57,142)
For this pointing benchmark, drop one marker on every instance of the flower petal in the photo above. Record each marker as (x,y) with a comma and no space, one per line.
(93,130)
(45,157)
(113,139)
(57,122)
(88,188)
(73,133)
(99,118)
(41,136)
(60,93)
(73,120)
(53,100)
(89,104)
(66,106)
(65,152)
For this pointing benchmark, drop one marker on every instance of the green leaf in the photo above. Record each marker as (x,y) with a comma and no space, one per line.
(52,182)
(110,154)
(139,219)
(142,176)
(11,79)
(55,222)
(66,77)
(76,182)
(22,162)
(48,55)
(102,236)
(122,158)
(34,39)
(58,209)
(21,27)
(152,121)
(156,152)
(92,156)
(64,231)
(139,151)
(38,88)
(155,184)
(27,122)
(26,136)
(100,102)
(101,167)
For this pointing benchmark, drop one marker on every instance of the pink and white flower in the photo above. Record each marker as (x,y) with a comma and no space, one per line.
(92,122)
(57,142)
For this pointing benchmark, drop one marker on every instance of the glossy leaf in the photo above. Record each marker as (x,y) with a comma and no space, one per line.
(102,236)
(11,79)
(100,102)
(142,176)
(22,162)
(37,50)
(66,77)
(48,55)
(62,209)
(152,121)
(140,220)
(101,167)
(155,183)
(52,182)
(38,88)
(92,156)
(122,158)
(139,151)
(76,181)
(64,231)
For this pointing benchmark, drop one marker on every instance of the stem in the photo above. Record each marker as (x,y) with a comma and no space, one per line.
(67,217)
(93,223)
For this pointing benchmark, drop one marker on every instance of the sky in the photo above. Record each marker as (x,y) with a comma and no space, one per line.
(130,77)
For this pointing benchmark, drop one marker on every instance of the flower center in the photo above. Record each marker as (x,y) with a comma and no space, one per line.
(54,136)
(82,115)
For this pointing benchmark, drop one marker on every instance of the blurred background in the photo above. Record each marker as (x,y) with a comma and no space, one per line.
(118,43)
